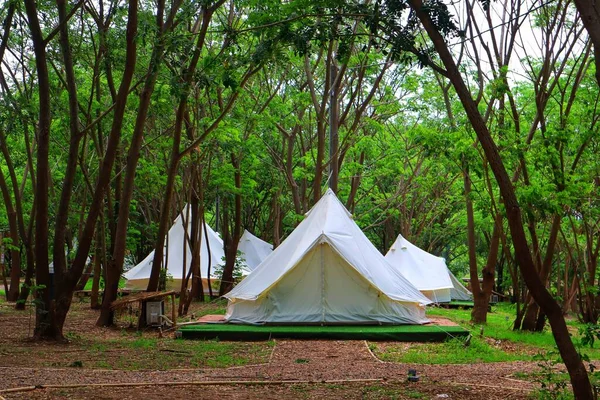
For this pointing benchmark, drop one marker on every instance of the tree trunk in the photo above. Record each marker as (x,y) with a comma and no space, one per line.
(479,312)
(276,218)
(197,292)
(533,317)
(26,289)
(195,245)
(94,298)
(85,277)
(45,325)
(588,10)
(62,215)
(333,128)
(232,241)
(25,234)
(577,372)
(15,255)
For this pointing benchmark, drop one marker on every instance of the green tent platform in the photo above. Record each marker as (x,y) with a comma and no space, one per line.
(458,304)
(400,333)
(464,304)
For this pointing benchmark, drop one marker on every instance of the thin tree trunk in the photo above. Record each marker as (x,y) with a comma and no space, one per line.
(333,128)
(197,292)
(477,315)
(232,240)
(15,255)
(94,297)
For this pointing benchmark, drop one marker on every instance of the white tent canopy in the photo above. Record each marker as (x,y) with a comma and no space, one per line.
(254,250)
(326,271)
(426,271)
(178,255)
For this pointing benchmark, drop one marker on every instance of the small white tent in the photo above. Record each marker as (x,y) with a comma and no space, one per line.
(426,271)
(326,272)
(254,250)
(178,255)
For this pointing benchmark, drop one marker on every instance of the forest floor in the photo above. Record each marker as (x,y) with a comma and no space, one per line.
(144,365)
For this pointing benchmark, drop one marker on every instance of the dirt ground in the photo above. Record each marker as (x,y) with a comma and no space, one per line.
(146,366)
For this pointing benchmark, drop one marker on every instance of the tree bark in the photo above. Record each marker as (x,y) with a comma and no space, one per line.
(15,254)
(65,281)
(590,16)
(333,128)
(94,297)
(45,326)
(232,240)
(531,320)
(577,372)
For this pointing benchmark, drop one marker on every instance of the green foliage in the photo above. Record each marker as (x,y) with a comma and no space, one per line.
(552,384)
(589,333)
(238,267)
(90,282)
(7,243)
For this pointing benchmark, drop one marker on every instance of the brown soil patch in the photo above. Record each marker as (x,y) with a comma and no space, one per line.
(211,318)
(384,390)
(512,347)
(441,321)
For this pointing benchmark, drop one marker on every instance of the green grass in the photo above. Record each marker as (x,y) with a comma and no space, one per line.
(499,327)
(451,352)
(492,342)
(382,391)
(462,303)
(163,354)
(90,282)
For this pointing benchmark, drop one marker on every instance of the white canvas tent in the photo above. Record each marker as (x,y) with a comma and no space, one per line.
(426,271)
(254,250)
(326,272)
(178,254)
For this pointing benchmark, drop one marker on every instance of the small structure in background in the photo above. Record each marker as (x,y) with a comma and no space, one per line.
(151,308)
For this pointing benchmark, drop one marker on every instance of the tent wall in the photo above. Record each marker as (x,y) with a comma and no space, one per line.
(459,291)
(324,288)
(438,296)
(254,250)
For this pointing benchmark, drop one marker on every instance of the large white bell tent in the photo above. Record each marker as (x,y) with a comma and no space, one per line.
(254,250)
(178,255)
(426,271)
(327,272)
